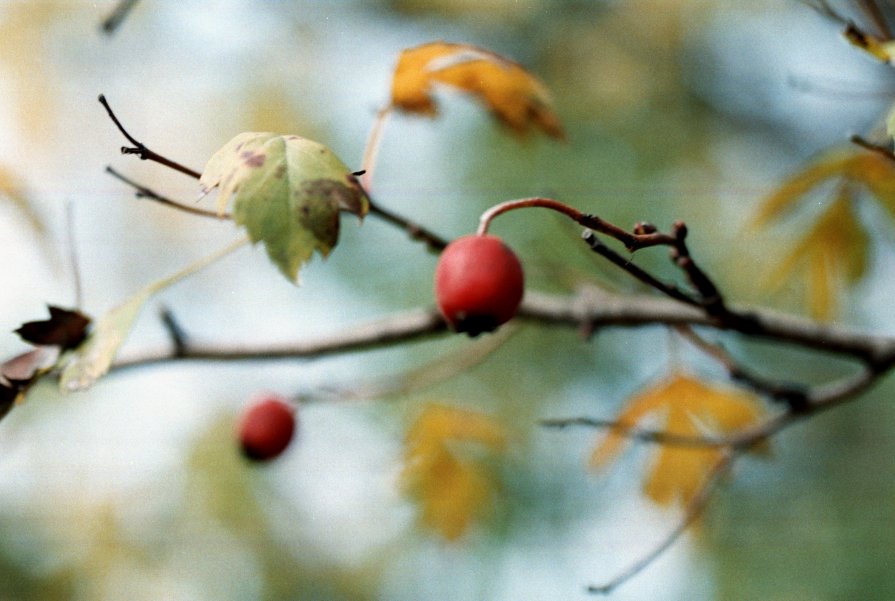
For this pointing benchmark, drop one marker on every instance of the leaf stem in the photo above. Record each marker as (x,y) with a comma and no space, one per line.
(371,150)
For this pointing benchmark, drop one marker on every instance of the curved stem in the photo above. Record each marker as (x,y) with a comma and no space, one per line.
(642,237)
(371,150)
(141,150)
(525,203)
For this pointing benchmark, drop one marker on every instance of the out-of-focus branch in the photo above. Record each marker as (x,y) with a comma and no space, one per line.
(142,191)
(115,18)
(695,508)
(817,399)
(602,309)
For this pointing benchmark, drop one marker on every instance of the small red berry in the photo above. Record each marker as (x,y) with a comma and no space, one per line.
(266,428)
(478,283)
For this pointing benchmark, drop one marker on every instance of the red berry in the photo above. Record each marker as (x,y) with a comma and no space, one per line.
(478,284)
(266,428)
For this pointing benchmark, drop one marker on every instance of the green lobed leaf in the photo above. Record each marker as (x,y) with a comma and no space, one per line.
(287,191)
(93,358)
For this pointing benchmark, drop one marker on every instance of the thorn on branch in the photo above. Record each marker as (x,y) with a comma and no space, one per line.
(175,332)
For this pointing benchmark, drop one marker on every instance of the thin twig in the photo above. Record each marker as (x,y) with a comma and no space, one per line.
(695,508)
(141,150)
(381,333)
(818,399)
(876,16)
(149,194)
(881,150)
(115,18)
(432,240)
(633,432)
(670,290)
(793,395)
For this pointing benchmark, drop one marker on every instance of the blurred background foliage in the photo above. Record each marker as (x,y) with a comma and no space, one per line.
(693,109)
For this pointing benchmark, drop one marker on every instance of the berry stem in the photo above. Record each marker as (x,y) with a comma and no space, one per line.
(640,238)
(524,203)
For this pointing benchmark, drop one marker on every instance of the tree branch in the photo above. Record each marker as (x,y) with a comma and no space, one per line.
(115,18)
(141,150)
(399,328)
(150,194)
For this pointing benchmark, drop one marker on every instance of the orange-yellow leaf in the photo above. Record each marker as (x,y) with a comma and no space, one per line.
(847,166)
(514,96)
(444,469)
(689,408)
(831,165)
(833,253)
(877,173)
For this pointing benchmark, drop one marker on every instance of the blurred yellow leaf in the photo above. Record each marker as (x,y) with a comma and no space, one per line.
(883,50)
(871,170)
(690,408)
(12,189)
(832,253)
(444,468)
(831,165)
(515,97)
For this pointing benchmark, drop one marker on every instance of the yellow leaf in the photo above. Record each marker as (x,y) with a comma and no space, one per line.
(877,174)
(515,97)
(833,164)
(688,408)
(453,488)
(13,190)
(877,48)
(871,170)
(834,252)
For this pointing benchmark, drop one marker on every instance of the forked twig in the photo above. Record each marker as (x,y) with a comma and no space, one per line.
(140,149)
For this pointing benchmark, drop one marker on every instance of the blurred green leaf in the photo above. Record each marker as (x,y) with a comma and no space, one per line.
(93,358)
